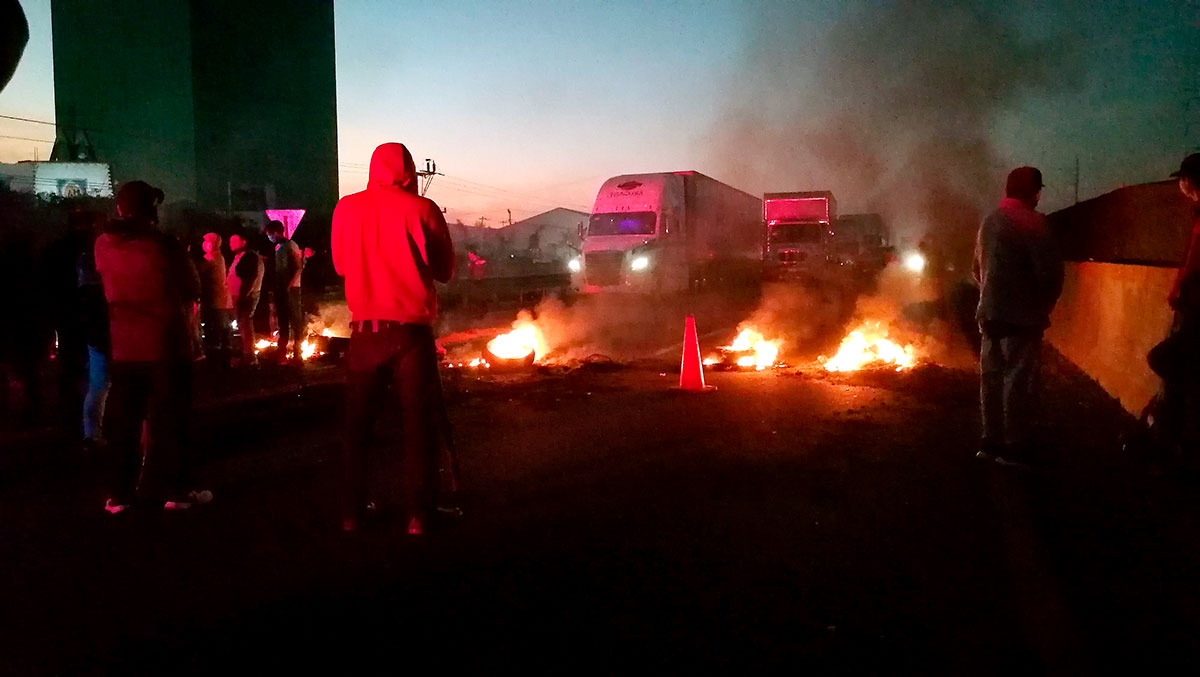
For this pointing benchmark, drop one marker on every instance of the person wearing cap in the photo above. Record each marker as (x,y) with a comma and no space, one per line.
(151,288)
(289,313)
(216,304)
(391,245)
(1020,276)
(1174,408)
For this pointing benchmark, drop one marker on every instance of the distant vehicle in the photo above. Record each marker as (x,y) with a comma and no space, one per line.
(669,232)
(861,240)
(799,234)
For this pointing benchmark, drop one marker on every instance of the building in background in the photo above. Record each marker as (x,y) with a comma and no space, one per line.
(227,105)
(60,179)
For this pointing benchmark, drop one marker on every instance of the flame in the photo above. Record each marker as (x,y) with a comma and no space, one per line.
(516,344)
(765,352)
(308,347)
(868,345)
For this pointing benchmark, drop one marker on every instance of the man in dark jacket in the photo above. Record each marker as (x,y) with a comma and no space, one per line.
(289,314)
(244,281)
(1020,277)
(1175,412)
(391,244)
(152,288)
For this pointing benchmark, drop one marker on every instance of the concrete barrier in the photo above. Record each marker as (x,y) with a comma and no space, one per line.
(1108,318)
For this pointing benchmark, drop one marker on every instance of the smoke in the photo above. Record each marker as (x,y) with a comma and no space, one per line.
(891,109)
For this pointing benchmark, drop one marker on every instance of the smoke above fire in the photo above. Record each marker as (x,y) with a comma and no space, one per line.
(890,107)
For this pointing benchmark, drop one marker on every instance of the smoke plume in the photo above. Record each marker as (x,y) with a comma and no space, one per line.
(891,109)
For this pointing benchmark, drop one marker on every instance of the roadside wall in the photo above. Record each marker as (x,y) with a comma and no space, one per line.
(1122,250)
(1108,318)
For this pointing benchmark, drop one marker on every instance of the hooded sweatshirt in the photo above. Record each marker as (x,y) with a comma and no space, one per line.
(391,244)
(1017,267)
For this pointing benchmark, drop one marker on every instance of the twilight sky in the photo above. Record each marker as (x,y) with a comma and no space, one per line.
(531,105)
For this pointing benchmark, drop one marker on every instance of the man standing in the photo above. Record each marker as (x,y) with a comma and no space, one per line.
(1179,396)
(1020,277)
(244,282)
(289,316)
(391,245)
(152,288)
(216,304)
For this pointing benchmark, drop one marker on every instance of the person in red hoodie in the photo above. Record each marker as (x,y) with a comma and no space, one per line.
(391,244)
(151,287)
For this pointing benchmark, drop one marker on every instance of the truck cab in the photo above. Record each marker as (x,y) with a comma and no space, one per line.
(799,233)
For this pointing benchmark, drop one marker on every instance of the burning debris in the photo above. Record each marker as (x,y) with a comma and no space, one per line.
(750,350)
(868,347)
(312,347)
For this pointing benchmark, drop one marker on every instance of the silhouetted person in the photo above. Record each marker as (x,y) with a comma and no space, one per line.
(14,35)
(26,335)
(244,281)
(94,316)
(289,316)
(60,267)
(391,244)
(1178,402)
(1020,277)
(216,304)
(151,287)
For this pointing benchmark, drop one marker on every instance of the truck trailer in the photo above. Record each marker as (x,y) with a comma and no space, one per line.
(669,232)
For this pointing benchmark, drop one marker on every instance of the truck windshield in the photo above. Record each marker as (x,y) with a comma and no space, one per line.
(797,232)
(623,223)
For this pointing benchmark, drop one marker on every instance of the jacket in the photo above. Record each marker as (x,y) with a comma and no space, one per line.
(1017,267)
(151,287)
(391,244)
(214,290)
(245,276)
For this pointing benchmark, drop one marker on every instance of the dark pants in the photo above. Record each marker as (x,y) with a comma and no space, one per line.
(402,357)
(1009,359)
(245,322)
(157,395)
(290,318)
(217,334)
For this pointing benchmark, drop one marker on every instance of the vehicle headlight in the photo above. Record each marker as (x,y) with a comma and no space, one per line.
(575,265)
(914,262)
(639,263)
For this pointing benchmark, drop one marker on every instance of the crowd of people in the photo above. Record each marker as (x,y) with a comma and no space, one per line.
(1019,273)
(134,311)
(125,312)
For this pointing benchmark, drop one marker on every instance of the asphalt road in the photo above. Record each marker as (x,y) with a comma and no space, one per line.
(611,523)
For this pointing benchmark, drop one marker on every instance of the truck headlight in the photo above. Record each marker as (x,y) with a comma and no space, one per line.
(639,263)
(575,265)
(914,262)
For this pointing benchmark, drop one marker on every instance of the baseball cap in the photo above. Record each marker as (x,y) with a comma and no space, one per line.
(1023,182)
(1190,167)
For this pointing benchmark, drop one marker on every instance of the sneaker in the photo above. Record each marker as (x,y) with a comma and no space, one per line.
(180,503)
(1015,458)
(200,496)
(983,455)
(113,506)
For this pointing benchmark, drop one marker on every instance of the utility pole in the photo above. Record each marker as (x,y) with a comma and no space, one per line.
(1076,179)
(426,175)
(509,217)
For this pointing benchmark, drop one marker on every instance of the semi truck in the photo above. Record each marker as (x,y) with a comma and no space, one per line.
(799,234)
(669,232)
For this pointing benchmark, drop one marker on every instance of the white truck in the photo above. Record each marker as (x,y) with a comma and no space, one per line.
(668,232)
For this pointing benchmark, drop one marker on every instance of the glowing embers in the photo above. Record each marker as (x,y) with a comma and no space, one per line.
(750,350)
(868,347)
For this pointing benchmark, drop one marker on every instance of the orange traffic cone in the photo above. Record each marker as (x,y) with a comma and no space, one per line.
(691,372)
